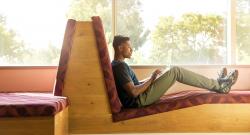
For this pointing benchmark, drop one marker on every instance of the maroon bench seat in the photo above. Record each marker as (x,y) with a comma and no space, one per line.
(182,100)
(31,104)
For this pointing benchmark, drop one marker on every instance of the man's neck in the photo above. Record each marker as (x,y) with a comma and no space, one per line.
(119,58)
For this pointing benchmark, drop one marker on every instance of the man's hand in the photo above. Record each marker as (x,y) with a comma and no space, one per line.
(155,74)
(135,90)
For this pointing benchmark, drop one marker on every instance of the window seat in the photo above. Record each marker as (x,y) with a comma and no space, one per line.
(184,99)
(94,102)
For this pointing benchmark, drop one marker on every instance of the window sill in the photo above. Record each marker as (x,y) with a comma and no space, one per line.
(189,66)
(133,66)
(28,67)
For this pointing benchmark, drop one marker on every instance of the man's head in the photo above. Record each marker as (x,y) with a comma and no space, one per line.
(122,46)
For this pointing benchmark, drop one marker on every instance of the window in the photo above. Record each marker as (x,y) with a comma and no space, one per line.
(243,31)
(161,31)
(31,31)
(174,32)
(83,10)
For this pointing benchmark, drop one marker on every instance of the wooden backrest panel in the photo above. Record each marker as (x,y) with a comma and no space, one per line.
(84,82)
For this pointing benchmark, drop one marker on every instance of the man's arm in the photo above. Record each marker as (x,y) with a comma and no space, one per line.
(144,80)
(135,90)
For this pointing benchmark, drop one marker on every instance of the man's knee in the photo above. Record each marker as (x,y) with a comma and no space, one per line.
(175,68)
(177,72)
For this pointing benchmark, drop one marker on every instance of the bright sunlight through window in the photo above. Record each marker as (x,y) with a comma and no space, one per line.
(165,32)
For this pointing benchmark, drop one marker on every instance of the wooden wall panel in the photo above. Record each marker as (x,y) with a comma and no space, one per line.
(27,126)
(44,125)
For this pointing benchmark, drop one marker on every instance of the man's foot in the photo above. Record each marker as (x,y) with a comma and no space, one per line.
(222,73)
(227,82)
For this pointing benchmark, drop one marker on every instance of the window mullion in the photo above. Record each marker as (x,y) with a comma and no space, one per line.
(231,34)
(114,17)
(114,22)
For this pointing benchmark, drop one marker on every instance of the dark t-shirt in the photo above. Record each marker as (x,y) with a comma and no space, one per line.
(122,75)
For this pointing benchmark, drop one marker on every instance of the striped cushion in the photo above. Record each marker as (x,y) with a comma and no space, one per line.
(114,100)
(31,104)
(182,100)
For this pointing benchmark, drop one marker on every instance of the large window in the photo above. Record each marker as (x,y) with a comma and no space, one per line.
(243,31)
(83,10)
(162,31)
(175,32)
(31,31)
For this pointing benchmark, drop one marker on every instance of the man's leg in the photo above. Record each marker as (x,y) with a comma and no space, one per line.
(164,82)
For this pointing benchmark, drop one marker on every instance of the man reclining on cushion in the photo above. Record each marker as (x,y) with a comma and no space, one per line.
(133,93)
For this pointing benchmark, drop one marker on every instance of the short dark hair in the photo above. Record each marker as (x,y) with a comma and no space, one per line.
(118,40)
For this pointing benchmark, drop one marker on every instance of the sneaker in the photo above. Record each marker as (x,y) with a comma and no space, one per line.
(222,73)
(227,82)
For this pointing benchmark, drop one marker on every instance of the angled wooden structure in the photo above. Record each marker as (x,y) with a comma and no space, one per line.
(90,110)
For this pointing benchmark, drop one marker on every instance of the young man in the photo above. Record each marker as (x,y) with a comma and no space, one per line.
(133,93)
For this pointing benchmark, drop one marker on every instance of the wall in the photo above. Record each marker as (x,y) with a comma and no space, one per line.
(39,79)
(42,79)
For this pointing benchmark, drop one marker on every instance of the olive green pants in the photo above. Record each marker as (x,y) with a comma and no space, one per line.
(166,80)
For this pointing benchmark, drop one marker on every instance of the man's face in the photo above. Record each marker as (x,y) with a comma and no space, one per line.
(126,49)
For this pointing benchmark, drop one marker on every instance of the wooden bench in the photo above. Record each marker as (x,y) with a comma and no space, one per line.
(33,114)
(96,108)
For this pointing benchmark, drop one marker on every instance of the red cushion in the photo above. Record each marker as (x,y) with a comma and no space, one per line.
(64,58)
(31,104)
(182,100)
(114,100)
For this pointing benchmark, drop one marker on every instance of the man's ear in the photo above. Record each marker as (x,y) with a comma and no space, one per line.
(120,48)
